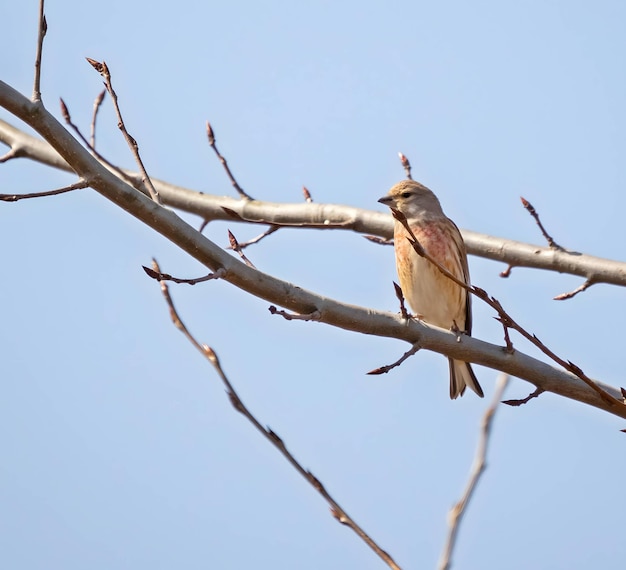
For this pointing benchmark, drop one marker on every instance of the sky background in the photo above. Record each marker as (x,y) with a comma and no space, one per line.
(119,446)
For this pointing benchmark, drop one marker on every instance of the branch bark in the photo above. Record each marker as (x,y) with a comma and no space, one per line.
(335,313)
(334,216)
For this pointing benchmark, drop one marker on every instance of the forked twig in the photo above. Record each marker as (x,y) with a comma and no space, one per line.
(211,136)
(16,197)
(103,70)
(478,467)
(336,510)
(65,112)
(41,34)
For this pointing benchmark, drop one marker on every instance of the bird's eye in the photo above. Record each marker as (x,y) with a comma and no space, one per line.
(406,194)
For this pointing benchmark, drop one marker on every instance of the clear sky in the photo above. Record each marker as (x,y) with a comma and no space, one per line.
(119,447)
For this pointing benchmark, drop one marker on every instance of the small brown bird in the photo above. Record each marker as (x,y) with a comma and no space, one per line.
(433,297)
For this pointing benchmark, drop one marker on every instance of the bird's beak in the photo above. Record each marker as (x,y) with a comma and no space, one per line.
(387,200)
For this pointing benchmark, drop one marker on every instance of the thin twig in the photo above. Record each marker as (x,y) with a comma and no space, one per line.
(503,316)
(379,240)
(41,34)
(103,70)
(96,107)
(515,403)
(167,277)
(456,513)
(583,287)
(535,215)
(211,136)
(400,295)
(384,369)
(16,197)
(65,112)
(406,165)
(9,155)
(334,216)
(234,245)
(312,316)
(507,272)
(507,338)
(336,510)
(256,239)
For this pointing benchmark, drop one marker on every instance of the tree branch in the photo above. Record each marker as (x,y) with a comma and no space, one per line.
(335,508)
(259,284)
(334,216)
(41,34)
(478,468)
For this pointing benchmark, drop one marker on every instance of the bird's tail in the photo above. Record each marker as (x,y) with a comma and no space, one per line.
(462,375)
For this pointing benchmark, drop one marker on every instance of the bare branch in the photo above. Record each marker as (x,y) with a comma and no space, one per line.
(16,197)
(103,70)
(41,34)
(211,136)
(336,510)
(456,513)
(210,207)
(293,298)
(535,215)
(65,113)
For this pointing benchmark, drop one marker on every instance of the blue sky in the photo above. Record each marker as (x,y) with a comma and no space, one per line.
(120,449)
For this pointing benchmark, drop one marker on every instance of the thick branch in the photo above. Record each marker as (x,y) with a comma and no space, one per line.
(335,216)
(276,291)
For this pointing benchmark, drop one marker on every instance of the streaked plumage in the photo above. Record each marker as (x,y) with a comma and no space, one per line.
(432,296)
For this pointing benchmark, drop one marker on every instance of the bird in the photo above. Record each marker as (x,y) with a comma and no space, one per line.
(433,297)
